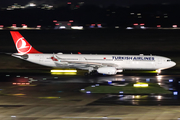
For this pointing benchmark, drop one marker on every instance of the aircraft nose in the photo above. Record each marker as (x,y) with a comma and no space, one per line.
(173,63)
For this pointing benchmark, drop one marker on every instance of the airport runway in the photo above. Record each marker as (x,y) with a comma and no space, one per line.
(56,97)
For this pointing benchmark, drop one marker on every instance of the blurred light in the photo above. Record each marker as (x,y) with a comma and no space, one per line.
(69,24)
(135,24)
(138,13)
(77,27)
(132,13)
(38,26)
(142,24)
(92,24)
(119,70)
(62,27)
(97,84)
(57,24)
(136,96)
(158,71)
(71,21)
(170,80)
(171,89)
(79,52)
(1,26)
(88,91)
(25,26)
(116,26)
(68,3)
(109,82)
(158,26)
(54,20)
(159,83)
(13,116)
(175,93)
(142,27)
(121,92)
(147,80)
(63,70)
(82,89)
(77,6)
(129,28)
(140,85)
(159,97)
(93,86)
(32,4)
(174,26)
(63,73)
(14,25)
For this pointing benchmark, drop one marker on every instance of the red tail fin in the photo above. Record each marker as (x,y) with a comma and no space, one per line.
(22,45)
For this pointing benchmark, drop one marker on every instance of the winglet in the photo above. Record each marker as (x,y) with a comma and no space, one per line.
(21,43)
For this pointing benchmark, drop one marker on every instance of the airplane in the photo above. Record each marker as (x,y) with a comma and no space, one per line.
(102,64)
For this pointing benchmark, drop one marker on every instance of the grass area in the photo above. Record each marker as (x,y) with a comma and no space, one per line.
(129,89)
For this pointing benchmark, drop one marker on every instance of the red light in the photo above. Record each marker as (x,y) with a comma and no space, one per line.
(27,83)
(77,6)
(1,25)
(14,83)
(79,53)
(23,83)
(158,26)
(71,21)
(57,23)
(23,24)
(54,20)
(104,58)
(68,3)
(142,24)
(98,24)
(14,25)
(92,24)
(135,24)
(69,24)
(38,26)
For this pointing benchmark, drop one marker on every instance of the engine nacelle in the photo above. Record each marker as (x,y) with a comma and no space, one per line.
(107,70)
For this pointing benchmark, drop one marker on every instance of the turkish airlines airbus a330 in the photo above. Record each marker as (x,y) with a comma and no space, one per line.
(103,64)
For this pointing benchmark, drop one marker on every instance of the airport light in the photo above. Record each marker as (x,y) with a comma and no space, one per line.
(55,21)
(69,3)
(139,84)
(170,80)
(88,92)
(135,24)
(63,70)
(175,93)
(158,26)
(174,26)
(77,27)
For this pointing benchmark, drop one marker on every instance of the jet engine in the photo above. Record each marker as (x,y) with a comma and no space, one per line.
(107,70)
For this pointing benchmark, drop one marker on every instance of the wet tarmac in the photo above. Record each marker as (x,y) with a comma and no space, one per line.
(59,97)
(74,83)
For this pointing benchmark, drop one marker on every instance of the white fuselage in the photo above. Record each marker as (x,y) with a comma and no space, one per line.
(82,61)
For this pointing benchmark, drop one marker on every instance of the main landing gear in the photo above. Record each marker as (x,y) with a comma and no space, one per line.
(92,73)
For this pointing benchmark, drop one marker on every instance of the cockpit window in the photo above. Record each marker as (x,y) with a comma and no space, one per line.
(168,60)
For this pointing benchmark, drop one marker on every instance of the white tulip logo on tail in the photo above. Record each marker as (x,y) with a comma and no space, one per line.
(22,47)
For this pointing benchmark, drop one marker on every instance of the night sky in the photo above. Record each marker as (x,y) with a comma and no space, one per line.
(5,3)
